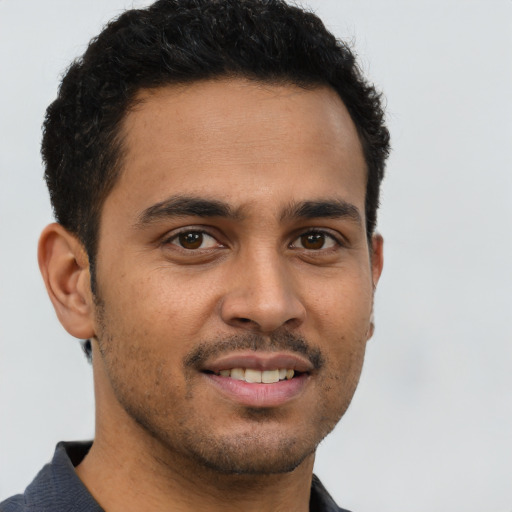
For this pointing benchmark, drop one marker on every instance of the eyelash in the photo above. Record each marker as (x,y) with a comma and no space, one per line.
(201,232)
(327,236)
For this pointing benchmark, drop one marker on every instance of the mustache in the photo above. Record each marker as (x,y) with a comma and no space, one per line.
(277,341)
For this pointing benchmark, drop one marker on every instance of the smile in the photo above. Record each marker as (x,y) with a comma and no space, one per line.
(257,376)
(259,380)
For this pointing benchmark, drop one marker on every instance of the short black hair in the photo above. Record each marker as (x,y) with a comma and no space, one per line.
(182,41)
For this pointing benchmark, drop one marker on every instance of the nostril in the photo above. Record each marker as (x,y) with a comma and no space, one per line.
(244,320)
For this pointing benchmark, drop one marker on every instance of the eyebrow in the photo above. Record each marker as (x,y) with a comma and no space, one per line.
(190,206)
(327,209)
(186,206)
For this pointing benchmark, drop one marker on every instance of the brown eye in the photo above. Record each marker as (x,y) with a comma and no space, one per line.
(312,240)
(192,240)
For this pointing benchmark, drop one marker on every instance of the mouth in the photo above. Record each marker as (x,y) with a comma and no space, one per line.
(253,376)
(259,380)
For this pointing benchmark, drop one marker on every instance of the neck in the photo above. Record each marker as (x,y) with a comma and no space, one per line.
(122,477)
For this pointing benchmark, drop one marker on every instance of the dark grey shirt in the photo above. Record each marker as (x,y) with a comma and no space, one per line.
(57,488)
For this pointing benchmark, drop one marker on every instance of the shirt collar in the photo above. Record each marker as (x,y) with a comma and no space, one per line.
(58,485)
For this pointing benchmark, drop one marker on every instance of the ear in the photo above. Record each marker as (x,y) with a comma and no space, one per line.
(377,258)
(377,263)
(64,266)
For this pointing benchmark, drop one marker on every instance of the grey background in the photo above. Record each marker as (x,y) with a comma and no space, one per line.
(430,427)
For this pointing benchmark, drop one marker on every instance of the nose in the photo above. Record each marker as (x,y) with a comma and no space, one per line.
(262,296)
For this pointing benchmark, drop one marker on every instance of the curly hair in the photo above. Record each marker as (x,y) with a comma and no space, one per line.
(180,41)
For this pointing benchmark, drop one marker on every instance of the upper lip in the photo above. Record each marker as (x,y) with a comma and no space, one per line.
(259,361)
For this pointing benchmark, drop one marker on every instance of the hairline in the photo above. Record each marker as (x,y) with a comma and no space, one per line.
(118,149)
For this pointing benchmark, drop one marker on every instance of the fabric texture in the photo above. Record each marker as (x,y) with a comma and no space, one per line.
(57,488)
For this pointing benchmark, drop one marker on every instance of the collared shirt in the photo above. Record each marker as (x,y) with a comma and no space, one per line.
(57,487)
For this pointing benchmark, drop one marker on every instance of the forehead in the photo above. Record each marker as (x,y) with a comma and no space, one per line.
(242,142)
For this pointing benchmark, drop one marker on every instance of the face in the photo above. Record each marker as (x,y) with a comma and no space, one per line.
(235,282)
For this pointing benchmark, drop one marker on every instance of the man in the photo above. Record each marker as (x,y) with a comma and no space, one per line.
(214,168)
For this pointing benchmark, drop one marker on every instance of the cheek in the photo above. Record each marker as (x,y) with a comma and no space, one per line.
(342,375)
(340,320)
(142,360)
(160,303)
(342,307)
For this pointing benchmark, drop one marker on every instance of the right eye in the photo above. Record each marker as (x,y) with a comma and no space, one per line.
(194,240)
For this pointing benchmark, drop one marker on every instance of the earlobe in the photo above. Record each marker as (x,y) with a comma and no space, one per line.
(64,266)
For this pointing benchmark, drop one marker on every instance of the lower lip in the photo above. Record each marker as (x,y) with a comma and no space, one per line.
(259,395)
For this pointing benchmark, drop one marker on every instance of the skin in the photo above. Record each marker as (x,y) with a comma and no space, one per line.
(250,281)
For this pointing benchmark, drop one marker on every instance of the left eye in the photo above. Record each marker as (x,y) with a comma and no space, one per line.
(314,240)
(192,240)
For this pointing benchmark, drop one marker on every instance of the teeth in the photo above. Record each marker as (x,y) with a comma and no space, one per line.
(252,375)
(237,374)
(257,376)
(270,376)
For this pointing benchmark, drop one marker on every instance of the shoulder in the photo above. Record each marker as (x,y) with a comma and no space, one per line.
(56,487)
(28,501)
(14,504)
(38,496)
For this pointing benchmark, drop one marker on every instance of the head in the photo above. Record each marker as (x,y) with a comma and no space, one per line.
(180,42)
(215,168)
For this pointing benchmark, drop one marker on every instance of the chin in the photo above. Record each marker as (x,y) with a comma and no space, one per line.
(251,455)
(263,447)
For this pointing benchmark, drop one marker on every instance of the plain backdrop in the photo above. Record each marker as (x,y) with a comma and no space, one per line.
(430,427)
